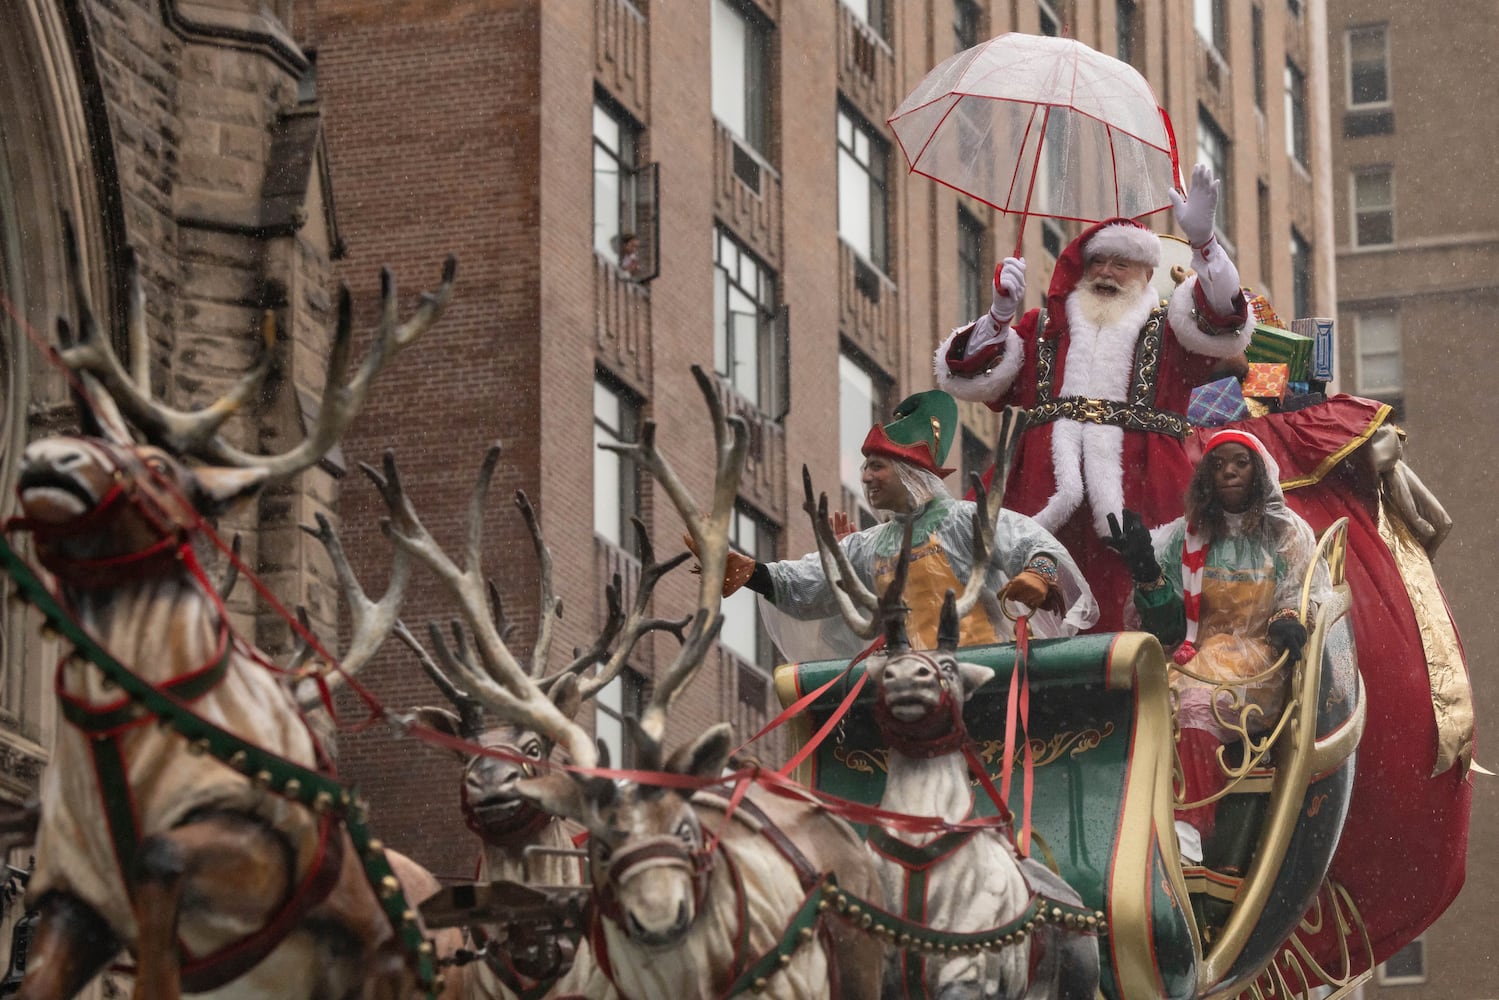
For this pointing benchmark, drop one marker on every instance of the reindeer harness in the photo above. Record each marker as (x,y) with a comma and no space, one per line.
(168,705)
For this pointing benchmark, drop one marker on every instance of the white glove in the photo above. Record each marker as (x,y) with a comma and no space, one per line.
(1009,289)
(1194,212)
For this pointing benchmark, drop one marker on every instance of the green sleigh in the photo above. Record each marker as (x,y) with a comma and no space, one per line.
(1100,727)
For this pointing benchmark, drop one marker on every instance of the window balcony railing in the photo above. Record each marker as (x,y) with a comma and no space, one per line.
(622,324)
(763,482)
(747,194)
(746,699)
(621,54)
(866,67)
(867,308)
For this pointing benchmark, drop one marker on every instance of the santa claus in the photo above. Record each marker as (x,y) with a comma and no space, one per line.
(1106,369)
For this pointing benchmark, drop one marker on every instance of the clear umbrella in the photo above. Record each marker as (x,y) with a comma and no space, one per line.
(1035,125)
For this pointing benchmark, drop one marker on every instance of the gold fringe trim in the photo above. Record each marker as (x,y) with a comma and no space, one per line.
(1451,695)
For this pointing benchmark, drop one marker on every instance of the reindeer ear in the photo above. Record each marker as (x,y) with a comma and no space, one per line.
(556,792)
(974,676)
(707,756)
(444,722)
(565,695)
(219,488)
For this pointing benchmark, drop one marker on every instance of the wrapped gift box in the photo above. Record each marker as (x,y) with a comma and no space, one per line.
(1217,403)
(1272,345)
(1320,330)
(1267,381)
(1262,310)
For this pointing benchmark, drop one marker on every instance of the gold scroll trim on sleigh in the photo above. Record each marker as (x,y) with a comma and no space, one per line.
(1451,697)
(1069,742)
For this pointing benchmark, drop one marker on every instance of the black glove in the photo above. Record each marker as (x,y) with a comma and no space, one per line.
(1287,634)
(1134,546)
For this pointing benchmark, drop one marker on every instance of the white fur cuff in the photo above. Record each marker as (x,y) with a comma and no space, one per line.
(1179,314)
(987,386)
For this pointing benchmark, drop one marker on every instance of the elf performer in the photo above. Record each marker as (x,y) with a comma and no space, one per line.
(1411,790)
(1105,369)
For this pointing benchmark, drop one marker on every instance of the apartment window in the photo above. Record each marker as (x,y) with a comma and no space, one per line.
(1293,7)
(1262,206)
(1373,207)
(871,12)
(1368,67)
(1126,30)
(1257,46)
(1296,143)
(740,54)
(862,157)
(1050,23)
(621,698)
(1212,149)
(1301,274)
(1208,19)
(860,402)
(973,269)
(1377,365)
(616,141)
(616,478)
(1407,967)
(742,633)
(967,24)
(744,317)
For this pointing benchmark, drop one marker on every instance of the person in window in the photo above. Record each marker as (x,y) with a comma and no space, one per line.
(1227,605)
(903,474)
(1106,371)
(627,247)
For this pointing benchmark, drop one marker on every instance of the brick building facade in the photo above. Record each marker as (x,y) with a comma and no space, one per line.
(1417,238)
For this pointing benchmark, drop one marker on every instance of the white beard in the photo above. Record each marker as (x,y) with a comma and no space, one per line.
(1100,356)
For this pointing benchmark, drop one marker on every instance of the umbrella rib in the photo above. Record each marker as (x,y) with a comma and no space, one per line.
(1015,174)
(937,128)
(1113,166)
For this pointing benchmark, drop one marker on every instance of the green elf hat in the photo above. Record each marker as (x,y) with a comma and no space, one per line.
(921,433)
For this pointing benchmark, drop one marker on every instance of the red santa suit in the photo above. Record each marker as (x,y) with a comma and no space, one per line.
(1107,406)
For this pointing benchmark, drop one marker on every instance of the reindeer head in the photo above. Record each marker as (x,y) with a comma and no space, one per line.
(93,503)
(914,687)
(649,857)
(97,498)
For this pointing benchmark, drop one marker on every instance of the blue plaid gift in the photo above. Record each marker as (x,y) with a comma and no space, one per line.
(1217,403)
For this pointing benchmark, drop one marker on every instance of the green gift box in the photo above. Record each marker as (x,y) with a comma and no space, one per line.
(1273,346)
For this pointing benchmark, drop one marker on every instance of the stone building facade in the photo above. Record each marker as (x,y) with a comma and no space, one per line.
(179,132)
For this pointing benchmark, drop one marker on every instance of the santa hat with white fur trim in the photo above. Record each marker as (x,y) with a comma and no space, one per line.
(1129,240)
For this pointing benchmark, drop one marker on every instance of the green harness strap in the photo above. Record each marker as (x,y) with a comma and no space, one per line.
(290,780)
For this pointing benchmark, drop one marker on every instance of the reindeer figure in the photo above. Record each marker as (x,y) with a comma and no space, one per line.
(521,842)
(963,880)
(687,898)
(215,883)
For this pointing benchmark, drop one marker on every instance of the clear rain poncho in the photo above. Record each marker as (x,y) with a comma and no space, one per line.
(1252,570)
(803,619)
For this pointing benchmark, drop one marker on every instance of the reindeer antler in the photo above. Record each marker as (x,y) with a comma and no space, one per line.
(989,503)
(498,680)
(195,432)
(865,614)
(372,621)
(629,630)
(710,535)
